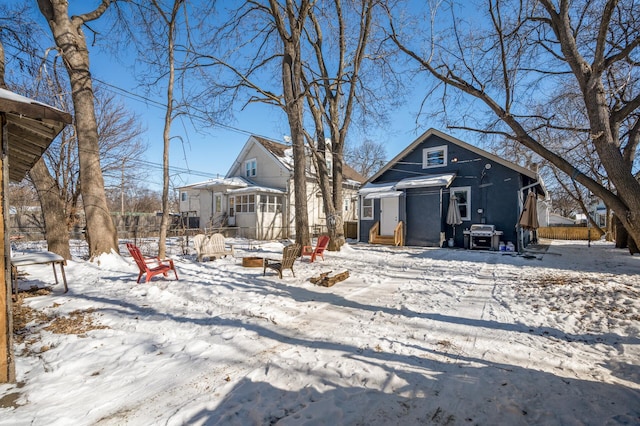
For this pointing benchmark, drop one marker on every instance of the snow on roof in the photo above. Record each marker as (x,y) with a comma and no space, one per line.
(376,187)
(391,189)
(231,181)
(12,96)
(425,181)
(255,188)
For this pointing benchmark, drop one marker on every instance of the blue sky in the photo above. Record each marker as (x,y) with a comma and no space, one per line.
(210,150)
(200,151)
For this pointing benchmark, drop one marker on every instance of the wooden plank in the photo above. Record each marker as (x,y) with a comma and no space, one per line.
(7,369)
(34,110)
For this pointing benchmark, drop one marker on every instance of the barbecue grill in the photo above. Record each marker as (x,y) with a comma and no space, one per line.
(483,236)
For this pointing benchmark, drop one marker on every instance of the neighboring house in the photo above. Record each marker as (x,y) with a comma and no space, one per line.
(597,210)
(256,197)
(415,188)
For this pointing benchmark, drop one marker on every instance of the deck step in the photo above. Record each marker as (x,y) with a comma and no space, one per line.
(384,240)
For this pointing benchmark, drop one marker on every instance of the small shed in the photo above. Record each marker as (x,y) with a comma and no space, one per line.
(27,128)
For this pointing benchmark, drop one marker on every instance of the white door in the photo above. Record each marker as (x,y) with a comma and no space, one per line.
(388,215)
(231,220)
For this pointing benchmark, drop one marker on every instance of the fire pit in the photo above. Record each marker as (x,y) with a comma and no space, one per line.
(252,262)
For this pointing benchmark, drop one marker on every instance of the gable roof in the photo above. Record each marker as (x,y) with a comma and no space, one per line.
(281,153)
(433,132)
(31,127)
(284,155)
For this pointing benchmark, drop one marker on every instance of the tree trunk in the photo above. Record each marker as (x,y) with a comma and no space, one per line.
(293,106)
(53,210)
(335,222)
(69,37)
(299,181)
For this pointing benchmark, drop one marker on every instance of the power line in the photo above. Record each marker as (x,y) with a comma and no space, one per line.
(200,117)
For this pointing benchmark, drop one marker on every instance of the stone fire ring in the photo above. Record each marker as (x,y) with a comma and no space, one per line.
(252,262)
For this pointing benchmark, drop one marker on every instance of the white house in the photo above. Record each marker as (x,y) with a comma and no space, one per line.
(256,197)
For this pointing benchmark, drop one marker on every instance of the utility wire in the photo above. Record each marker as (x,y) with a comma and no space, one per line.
(152,102)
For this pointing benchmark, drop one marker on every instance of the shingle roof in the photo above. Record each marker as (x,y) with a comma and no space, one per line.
(279,150)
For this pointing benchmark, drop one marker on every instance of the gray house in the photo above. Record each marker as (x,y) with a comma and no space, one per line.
(407,201)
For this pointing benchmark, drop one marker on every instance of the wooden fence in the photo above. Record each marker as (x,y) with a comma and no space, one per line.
(569,233)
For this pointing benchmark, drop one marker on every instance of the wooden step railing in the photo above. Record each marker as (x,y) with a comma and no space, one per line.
(398,235)
(374,232)
(397,239)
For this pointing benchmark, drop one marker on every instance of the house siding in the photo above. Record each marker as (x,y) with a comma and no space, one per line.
(269,172)
(272,175)
(494,194)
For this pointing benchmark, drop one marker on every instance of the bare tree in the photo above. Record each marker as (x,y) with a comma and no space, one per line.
(56,178)
(320,51)
(529,46)
(366,158)
(162,41)
(333,82)
(70,40)
(268,34)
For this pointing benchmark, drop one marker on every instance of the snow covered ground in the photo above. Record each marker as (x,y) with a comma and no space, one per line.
(414,336)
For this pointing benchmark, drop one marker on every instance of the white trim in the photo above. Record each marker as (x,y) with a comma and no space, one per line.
(250,168)
(362,210)
(466,189)
(426,159)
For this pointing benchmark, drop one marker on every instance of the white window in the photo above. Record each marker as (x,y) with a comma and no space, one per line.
(434,157)
(346,204)
(246,203)
(217,200)
(183,196)
(250,167)
(367,208)
(270,204)
(329,167)
(463,195)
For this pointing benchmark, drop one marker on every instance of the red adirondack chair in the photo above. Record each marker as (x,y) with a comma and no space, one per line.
(321,246)
(162,267)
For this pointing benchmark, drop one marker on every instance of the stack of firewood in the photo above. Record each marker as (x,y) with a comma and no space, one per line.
(326,280)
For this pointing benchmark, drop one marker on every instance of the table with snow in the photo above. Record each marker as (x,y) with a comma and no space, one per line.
(38,258)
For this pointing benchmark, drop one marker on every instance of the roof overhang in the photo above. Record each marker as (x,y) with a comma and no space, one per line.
(444,179)
(31,126)
(394,189)
(377,190)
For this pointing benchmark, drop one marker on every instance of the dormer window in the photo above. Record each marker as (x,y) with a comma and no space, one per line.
(250,167)
(434,157)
